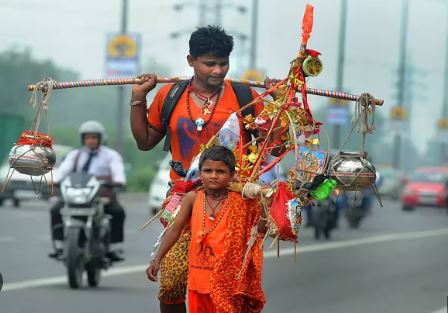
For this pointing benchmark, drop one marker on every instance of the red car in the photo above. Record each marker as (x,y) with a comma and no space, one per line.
(427,186)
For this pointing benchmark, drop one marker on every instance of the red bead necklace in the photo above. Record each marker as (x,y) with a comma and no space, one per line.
(200,122)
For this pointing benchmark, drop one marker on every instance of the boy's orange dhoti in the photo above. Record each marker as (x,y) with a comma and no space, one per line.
(200,302)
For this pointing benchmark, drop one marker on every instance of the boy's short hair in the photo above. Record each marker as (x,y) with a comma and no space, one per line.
(211,40)
(218,153)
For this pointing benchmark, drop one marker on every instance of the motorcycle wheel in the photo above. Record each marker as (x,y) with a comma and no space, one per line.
(327,233)
(353,218)
(354,222)
(75,258)
(316,232)
(93,274)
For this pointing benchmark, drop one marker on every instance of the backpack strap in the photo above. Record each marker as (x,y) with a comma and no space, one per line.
(244,96)
(170,102)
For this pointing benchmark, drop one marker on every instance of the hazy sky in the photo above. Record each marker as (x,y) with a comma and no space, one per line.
(73,34)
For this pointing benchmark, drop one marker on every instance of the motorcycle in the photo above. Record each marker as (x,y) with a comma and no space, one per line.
(86,228)
(324,218)
(356,206)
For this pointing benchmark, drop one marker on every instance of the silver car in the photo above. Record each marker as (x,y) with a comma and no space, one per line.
(159,186)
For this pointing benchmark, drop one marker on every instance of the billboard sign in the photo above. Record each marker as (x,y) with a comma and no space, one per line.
(122,59)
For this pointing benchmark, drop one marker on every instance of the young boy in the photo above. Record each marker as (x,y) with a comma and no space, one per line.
(220,223)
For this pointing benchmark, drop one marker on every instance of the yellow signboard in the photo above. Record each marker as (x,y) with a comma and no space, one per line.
(442,123)
(398,112)
(122,46)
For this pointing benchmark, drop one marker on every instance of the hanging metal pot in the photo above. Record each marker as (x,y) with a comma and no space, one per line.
(352,171)
(32,159)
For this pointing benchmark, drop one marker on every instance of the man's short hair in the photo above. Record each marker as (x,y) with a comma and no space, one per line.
(212,40)
(218,153)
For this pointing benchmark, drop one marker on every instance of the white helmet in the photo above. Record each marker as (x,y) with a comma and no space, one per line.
(93,127)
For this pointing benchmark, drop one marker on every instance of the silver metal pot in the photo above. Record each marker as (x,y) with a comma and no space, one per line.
(32,160)
(352,171)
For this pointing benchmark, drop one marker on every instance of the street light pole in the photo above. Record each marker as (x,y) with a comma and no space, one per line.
(445,100)
(218,18)
(401,76)
(121,89)
(340,68)
(202,12)
(253,37)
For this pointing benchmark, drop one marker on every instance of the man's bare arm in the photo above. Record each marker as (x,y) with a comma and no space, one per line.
(145,136)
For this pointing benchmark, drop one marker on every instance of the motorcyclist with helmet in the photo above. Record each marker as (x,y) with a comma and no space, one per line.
(105,164)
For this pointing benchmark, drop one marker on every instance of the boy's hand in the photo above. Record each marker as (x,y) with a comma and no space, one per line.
(152,270)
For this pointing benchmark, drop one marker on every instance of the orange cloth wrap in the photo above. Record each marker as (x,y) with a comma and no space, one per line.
(230,294)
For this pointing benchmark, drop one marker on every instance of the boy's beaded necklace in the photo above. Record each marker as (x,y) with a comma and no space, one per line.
(204,232)
(213,208)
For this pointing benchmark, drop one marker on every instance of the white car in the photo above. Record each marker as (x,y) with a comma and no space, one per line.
(159,186)
(21,187)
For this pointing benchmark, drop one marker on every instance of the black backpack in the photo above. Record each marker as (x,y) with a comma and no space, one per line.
(243,94)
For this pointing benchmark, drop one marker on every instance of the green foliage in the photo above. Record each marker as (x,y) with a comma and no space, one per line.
(144,165)
(139,181)
(18,69)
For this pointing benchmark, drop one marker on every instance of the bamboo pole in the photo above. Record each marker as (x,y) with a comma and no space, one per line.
(129,81)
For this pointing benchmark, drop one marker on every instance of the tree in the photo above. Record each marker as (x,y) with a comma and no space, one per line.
(19,69)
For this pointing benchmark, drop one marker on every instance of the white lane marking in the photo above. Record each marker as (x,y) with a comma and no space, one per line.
(34,283)
(442,310)
(63,279)
(269,254)
(359,242)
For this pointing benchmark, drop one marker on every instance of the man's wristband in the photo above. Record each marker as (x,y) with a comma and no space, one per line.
(138,103)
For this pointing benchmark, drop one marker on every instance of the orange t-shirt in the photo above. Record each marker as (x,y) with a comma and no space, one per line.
(186,140)
(203,253)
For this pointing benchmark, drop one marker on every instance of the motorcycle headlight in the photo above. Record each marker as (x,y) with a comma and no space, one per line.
(78,195)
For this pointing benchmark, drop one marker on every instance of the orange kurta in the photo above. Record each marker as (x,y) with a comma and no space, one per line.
(204,252)
(186,140)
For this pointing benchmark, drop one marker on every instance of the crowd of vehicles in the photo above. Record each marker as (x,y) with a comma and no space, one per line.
(425,186)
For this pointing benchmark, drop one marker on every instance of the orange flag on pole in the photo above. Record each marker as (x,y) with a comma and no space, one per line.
(307,24)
